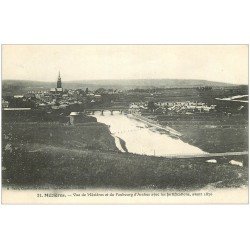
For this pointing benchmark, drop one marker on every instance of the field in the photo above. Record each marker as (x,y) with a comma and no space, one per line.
(52,155)
(211,133)
(82,136)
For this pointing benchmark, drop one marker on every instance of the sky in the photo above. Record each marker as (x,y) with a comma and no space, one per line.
(222,63)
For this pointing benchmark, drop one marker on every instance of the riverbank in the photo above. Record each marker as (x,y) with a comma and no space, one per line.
(57,156)
(155,124)
(122,144)
(85,136)
(212,133)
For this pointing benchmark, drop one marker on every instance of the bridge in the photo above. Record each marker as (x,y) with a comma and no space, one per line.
(92,111)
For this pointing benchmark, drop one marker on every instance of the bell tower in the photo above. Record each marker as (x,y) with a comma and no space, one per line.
(59,82)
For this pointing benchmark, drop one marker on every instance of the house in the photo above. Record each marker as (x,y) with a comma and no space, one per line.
(97,97)
(18,96)
(133,108)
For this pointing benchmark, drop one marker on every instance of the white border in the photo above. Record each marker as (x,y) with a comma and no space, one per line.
(124,227)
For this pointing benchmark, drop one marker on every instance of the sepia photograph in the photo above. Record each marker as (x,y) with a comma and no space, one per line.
(124,124)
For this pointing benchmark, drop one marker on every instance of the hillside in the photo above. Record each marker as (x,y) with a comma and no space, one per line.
(22,86)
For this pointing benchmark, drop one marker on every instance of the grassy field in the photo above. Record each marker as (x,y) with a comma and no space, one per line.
(215,133)
(52,155)
(84,136)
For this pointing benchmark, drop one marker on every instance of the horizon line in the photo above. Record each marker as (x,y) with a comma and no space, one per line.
(128,79)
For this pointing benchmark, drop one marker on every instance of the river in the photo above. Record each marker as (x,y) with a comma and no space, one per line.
(141,138)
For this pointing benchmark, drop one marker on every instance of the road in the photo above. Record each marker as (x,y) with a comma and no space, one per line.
(209,155)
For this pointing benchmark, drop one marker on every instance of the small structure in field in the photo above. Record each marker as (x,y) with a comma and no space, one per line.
(78,117)
(74,117)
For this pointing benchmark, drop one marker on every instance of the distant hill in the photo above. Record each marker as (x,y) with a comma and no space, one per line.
(22,86)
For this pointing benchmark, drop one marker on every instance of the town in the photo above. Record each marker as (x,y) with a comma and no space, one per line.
(65,101)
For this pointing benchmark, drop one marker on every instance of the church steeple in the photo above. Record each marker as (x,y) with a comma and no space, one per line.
(59,82)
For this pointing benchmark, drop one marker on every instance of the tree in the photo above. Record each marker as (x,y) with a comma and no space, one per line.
(151,106)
